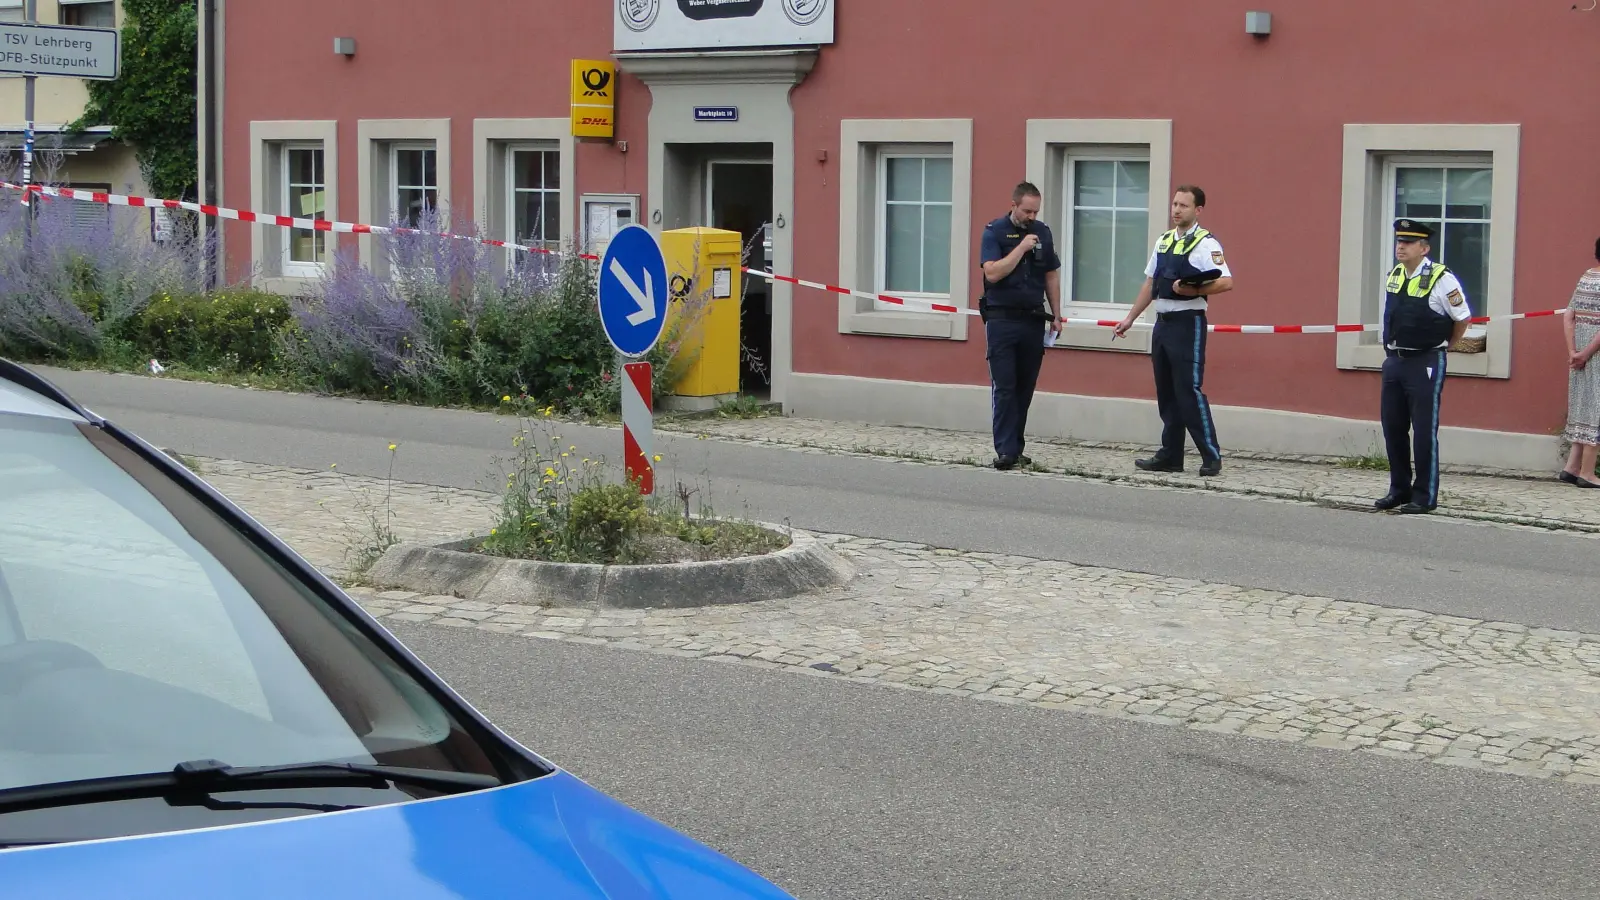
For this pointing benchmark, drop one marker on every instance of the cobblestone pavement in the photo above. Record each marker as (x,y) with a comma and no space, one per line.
(337,521)
(1474,494)
(1214,657)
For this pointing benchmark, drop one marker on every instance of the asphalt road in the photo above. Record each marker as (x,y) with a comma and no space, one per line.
(1424,562)
(839,790)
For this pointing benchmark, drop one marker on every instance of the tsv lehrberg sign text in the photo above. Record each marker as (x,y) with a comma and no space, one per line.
(62,50)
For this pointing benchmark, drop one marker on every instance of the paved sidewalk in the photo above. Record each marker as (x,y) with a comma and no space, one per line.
(1216,657)
(1492,496)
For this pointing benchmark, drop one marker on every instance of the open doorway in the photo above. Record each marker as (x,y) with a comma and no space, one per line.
(739,198)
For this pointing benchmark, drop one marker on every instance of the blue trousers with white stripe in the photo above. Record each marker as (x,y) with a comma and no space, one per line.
(1178,352)
(1412,386)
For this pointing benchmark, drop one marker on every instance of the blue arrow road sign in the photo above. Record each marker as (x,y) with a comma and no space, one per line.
(633,290)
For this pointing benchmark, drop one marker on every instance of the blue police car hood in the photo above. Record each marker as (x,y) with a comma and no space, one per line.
(554,838)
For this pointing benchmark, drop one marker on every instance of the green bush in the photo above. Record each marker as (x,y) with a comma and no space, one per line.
(604,519)
(234,329)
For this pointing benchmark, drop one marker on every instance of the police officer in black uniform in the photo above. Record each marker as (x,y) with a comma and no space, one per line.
(1424,313)
(1186,266)
(1021,272)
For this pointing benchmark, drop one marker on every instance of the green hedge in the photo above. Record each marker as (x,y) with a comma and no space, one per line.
(234,329)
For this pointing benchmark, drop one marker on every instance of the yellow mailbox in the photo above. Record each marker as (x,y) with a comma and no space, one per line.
(703,271)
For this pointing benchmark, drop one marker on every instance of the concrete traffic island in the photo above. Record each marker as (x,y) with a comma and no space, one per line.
(454,569)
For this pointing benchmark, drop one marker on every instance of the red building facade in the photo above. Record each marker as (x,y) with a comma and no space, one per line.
(865,143)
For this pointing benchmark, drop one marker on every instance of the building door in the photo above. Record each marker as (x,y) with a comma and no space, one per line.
(739,198)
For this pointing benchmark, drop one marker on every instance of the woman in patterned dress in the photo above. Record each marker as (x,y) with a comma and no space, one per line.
(1582,326)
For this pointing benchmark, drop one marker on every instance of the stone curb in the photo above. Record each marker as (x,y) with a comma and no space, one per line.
(1149,480)
(806,565)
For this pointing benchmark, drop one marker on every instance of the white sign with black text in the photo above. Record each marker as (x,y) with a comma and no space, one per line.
(696,24)
(29,49)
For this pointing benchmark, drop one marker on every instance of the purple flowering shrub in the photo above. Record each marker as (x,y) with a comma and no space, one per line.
(452,323)
(72,287)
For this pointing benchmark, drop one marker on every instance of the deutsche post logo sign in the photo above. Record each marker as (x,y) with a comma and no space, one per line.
(594,98)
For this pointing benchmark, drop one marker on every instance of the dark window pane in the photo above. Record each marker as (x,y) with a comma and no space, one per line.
(1464,247)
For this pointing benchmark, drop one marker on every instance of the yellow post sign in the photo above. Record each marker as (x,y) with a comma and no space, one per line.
(594,98)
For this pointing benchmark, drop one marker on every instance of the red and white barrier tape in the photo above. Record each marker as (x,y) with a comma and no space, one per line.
(240,215)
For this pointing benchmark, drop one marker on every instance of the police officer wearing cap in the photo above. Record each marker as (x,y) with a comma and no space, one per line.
(1424,313)
(1186,267)
(1021,274)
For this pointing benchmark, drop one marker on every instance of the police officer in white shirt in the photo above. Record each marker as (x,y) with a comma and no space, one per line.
(1186,267)
(1424,313)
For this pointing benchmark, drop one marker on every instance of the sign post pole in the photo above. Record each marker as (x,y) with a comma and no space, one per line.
(632,292)
(637,422)
(30,15)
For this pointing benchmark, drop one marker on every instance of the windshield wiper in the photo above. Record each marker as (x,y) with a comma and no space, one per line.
(210,776)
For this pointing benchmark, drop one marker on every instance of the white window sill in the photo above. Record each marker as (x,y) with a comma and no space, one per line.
(1476,364)
(290,285)
(890,323)
(1097,337)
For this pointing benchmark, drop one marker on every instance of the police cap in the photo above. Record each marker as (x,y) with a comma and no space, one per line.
(1200,279)
(1411,230)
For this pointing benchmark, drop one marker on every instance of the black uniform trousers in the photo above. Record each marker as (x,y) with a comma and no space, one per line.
(1413,382)
(1015,353)
(1178,352)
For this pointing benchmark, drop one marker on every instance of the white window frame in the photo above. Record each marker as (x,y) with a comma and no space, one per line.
(492,143)
(292,268)
(880,263)
(1067,237)
(1053,146)
(395,149)
(268,243)
(511,191)
(377,178)
(862,143)
(116,18)
(1391,182)
(1366,248)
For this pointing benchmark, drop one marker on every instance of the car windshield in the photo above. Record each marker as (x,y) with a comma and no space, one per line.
(139,629)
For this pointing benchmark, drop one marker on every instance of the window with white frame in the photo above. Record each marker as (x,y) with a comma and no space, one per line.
(533,199)
(1462,181)
(1454,197)
(914,222)
(1107,224)
(89,13)
(305,194)
(11,10)
(414,182)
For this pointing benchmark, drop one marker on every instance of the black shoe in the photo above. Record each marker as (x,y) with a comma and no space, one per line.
(1568,477)
(1414,508)
(1158,465)
(1584,483)
(1005,462)
(1214,467)
(1391,500)
(1024,460)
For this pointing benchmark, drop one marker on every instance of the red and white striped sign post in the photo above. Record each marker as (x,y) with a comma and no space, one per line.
(636,426)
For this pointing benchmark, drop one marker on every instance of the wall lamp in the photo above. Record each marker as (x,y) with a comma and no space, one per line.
(1258,23)
(345,46)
